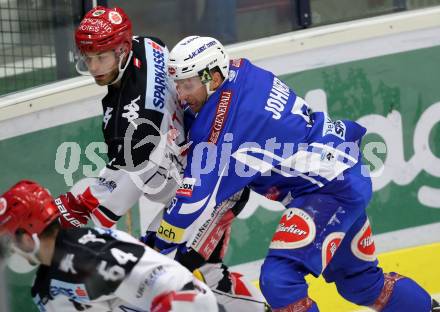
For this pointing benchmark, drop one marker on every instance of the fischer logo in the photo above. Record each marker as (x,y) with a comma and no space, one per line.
(362,244)
(296,229)
(329,247)
(66,215)
(187,187)
(220,116)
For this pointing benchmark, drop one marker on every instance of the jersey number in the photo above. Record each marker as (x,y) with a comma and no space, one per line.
(116,272)
(122,257)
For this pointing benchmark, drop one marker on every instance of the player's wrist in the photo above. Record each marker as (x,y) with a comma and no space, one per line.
(164,247)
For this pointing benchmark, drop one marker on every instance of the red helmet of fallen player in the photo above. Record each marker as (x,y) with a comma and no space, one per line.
(28,206)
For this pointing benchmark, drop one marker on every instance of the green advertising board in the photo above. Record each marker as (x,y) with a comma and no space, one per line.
(397,95)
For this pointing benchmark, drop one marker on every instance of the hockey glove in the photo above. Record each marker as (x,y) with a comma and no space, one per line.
(72,212)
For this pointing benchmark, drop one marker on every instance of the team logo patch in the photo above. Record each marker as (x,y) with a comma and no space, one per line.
(98,13)
(115,17)
(3,205)
(329,247)
(296,229)
(362,244)
(187,187)
(336,128)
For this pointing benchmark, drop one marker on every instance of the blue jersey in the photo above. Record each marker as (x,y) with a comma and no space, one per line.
(255,131)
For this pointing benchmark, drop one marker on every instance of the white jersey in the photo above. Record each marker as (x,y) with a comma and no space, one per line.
(143,129)
(107,270)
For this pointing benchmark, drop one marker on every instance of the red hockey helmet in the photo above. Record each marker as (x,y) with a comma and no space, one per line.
(28,206)
(103,29)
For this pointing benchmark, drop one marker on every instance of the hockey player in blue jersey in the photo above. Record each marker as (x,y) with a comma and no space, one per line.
(251,130)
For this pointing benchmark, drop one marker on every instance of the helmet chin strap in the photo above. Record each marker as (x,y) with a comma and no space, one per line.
(120,68)
(208,88)
(32,255)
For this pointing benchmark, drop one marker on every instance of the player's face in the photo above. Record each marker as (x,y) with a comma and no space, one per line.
(193,92)
(22,242)
(103,66)
(23,245)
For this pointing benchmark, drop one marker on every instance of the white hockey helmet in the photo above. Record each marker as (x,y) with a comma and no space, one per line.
(192,55)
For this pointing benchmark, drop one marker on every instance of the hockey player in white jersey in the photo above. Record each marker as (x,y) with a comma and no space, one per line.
(93,269)
(139,110)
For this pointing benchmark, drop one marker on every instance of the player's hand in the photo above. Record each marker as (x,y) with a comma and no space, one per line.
(72,212)
(149,238)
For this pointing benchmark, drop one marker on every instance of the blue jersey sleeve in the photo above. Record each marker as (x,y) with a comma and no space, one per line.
(208,181)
